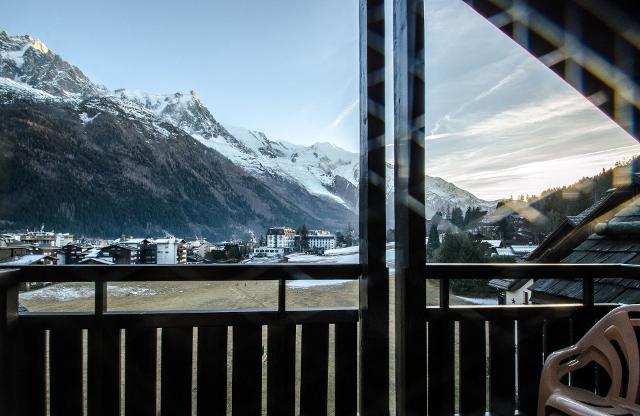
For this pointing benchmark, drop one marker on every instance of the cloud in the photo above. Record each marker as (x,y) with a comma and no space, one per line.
(343,114)
(498,121)
(534,177)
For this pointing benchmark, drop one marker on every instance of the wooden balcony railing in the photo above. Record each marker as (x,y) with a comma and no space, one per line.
(505,345)
(479,358)
(46,349)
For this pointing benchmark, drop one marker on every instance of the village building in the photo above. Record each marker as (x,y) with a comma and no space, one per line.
(11,251)
(147,252)
(171,250)
(30,259)
(321,240)
(281,237)
(72,254)
(616,241)
(575,229)
(119,254)
(269,252)
(97,260)
(512,291)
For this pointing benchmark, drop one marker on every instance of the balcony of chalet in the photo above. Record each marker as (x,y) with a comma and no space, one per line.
(389,353)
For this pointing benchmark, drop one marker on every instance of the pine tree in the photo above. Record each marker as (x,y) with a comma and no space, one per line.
(456,217)
(433,243)
(304,237)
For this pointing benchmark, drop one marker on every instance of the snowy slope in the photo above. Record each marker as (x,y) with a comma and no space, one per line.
(313,167)
(29,69)
(28,60)
(11,90)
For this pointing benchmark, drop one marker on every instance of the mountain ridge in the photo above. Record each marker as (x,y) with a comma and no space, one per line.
(322,176)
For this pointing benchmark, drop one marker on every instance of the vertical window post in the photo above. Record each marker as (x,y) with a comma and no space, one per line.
(409,183)
(374,283)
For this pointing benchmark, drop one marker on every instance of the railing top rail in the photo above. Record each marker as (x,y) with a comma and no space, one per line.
(217,272)
(191,318)
(289,271)
(530,271)
(7,276)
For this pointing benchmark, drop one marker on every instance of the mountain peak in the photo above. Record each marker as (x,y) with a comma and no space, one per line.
(38,45)
(29,61)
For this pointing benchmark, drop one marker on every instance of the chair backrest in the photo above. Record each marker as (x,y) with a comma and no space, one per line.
(613,343)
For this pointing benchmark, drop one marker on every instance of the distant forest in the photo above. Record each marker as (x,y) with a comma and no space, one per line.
(558,203)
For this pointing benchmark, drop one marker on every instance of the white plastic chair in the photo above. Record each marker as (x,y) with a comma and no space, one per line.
(614,330)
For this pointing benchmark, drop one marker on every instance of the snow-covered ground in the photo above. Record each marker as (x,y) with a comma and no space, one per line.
(301,284)
(480,301)
(63,292)
(344,255)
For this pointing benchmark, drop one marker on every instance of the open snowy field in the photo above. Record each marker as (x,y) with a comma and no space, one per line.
(78,296)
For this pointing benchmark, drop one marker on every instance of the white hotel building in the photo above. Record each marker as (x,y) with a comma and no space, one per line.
(283,237)
(321,240)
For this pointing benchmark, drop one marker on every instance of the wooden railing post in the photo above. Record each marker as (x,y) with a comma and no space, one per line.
(9,341)
(374,283)
(409,205)
(587,292)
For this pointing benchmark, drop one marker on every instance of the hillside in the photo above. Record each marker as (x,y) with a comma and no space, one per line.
(81,157)
(558,203)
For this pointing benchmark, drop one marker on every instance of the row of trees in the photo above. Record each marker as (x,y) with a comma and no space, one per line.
(459,218)
(462,247)
(557,203)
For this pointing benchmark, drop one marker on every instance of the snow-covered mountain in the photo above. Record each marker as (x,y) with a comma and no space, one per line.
(323,168)
(441,195)
(28,60)
(29,70)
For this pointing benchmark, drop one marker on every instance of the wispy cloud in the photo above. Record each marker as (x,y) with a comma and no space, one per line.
(499,122)
(335,123)
(343,114)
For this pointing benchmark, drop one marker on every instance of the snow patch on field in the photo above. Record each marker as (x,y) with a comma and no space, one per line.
(64,292)
(480,301)
(302,284)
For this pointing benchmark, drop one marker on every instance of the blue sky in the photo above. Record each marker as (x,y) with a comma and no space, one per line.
(498,121)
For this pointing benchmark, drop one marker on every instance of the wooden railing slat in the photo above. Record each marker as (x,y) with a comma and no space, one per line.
(557,335)
(246,388)
(281,370)
(31,399)
(502,367)
(212,371)
(529,364)
(473,388)
(9,343)
(314,369)
(65,363)
(176,378)
(587,377)
(103,362)
(440,367)
(346,352)
(140,371)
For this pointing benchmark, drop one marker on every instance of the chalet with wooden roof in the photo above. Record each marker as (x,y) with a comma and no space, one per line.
(574,229)
(615,241)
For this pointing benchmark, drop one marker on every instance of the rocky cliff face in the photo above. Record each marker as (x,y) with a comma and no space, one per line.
(274,182)
(29,61)
(84,168)
(80,157)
